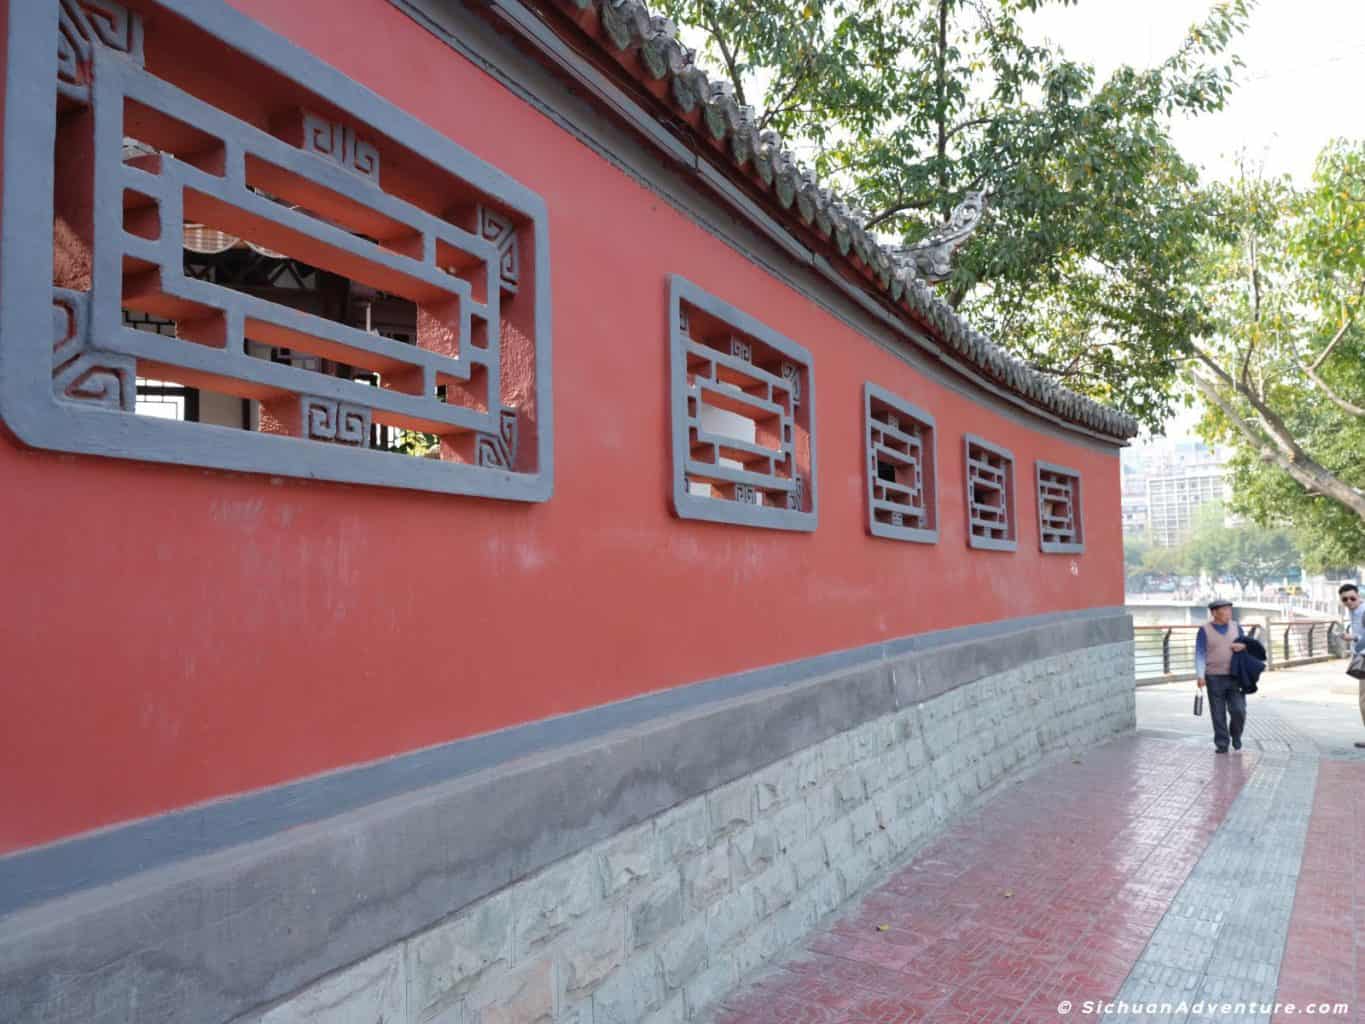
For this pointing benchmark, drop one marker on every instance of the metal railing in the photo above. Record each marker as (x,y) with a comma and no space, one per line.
(1165,654)
(1301,641)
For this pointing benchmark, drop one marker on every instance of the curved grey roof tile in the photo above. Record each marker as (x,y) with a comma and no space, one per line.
(632,30)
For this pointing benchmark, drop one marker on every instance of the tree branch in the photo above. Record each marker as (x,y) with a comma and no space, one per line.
(900,206)
(1255,311)
(1347,407)
(1341,332)
(1274,441)
(941,107)
(802,71)
(963,126)
(725,53)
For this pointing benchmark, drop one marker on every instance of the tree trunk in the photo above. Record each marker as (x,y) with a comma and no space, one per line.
(941,113)
(1274,444)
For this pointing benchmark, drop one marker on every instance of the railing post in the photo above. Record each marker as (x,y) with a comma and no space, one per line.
(1166,653)
(1287,630)
(1311,630)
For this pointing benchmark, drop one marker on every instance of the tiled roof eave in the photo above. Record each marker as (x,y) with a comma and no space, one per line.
(647,47)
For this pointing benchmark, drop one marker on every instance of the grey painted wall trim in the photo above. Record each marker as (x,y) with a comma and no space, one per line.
(95,859)
(699,191)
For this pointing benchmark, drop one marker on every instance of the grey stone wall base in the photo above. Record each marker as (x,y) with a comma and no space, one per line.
(632,877)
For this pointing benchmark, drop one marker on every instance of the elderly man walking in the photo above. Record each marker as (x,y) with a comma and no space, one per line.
(1218,640)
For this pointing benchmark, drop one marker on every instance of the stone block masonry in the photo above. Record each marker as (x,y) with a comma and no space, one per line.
(656,924)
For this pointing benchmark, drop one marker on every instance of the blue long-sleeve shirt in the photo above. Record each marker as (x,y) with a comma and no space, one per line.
(1201,647)
(1356,623)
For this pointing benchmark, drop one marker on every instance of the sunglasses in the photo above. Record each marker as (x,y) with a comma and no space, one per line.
(1351,600)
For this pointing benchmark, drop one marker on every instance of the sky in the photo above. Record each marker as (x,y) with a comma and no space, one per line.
(1301,86)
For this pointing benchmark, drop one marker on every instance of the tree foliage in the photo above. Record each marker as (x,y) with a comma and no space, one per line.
(1248,553)
(1283,369)
(1082,263)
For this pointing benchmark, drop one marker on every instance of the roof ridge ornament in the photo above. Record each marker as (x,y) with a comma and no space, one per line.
(932,257)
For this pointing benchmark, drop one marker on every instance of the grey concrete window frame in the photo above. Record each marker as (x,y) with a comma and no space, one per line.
(693,506)
(37,418)
(1012,509)
(1077,508)
(928,469)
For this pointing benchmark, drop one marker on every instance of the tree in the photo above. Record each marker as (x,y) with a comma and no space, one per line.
(1283,369)
(1135,554)
(1081,262)
(1249,554)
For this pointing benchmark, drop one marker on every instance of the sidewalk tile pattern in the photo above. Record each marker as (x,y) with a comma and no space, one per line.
(1325,954)
(1224,935)
(1049,892)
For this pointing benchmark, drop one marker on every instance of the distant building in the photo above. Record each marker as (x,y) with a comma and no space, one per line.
(1173,499)
(1164,482)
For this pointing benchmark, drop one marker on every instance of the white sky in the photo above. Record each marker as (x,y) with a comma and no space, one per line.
(1303,83)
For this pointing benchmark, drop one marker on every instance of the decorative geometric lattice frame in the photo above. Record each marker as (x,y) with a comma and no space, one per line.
(745,366)
(903,437)
(1061,523)
(991,504)
(68,364)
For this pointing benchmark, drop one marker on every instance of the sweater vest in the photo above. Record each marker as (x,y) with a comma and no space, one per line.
(1218,649)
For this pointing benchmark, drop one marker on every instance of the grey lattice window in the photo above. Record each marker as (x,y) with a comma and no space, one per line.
(1061,528)
(743,404)
(277,222)
(902,501)
(990,496)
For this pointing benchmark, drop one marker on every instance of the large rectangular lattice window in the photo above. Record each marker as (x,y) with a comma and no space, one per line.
(990,496)
(902,502)
(743,417)
(1061,529)
(353,295)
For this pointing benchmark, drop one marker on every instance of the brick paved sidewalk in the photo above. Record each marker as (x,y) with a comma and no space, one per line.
(1325,954)
(1051,891)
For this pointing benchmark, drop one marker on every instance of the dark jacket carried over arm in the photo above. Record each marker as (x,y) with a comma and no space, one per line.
(1248,665)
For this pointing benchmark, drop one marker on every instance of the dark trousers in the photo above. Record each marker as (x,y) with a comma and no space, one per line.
(1226,701)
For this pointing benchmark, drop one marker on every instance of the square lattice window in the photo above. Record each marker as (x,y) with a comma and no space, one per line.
(743,417)
(1061,529)
(990,496)
(376,295)
(902,502)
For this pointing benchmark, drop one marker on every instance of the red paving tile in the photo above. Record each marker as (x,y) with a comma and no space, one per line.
(1325,950)
(1049,891)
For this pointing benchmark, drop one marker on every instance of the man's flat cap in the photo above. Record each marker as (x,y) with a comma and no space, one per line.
(1222,602)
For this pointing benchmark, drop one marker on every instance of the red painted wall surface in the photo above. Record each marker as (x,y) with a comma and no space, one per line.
(172,635)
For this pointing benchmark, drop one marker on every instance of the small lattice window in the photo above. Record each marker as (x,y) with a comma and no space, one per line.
(1060,526)
(743,417)
(901,497)
(990,496)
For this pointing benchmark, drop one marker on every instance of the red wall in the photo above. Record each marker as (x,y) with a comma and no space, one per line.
(172,635)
